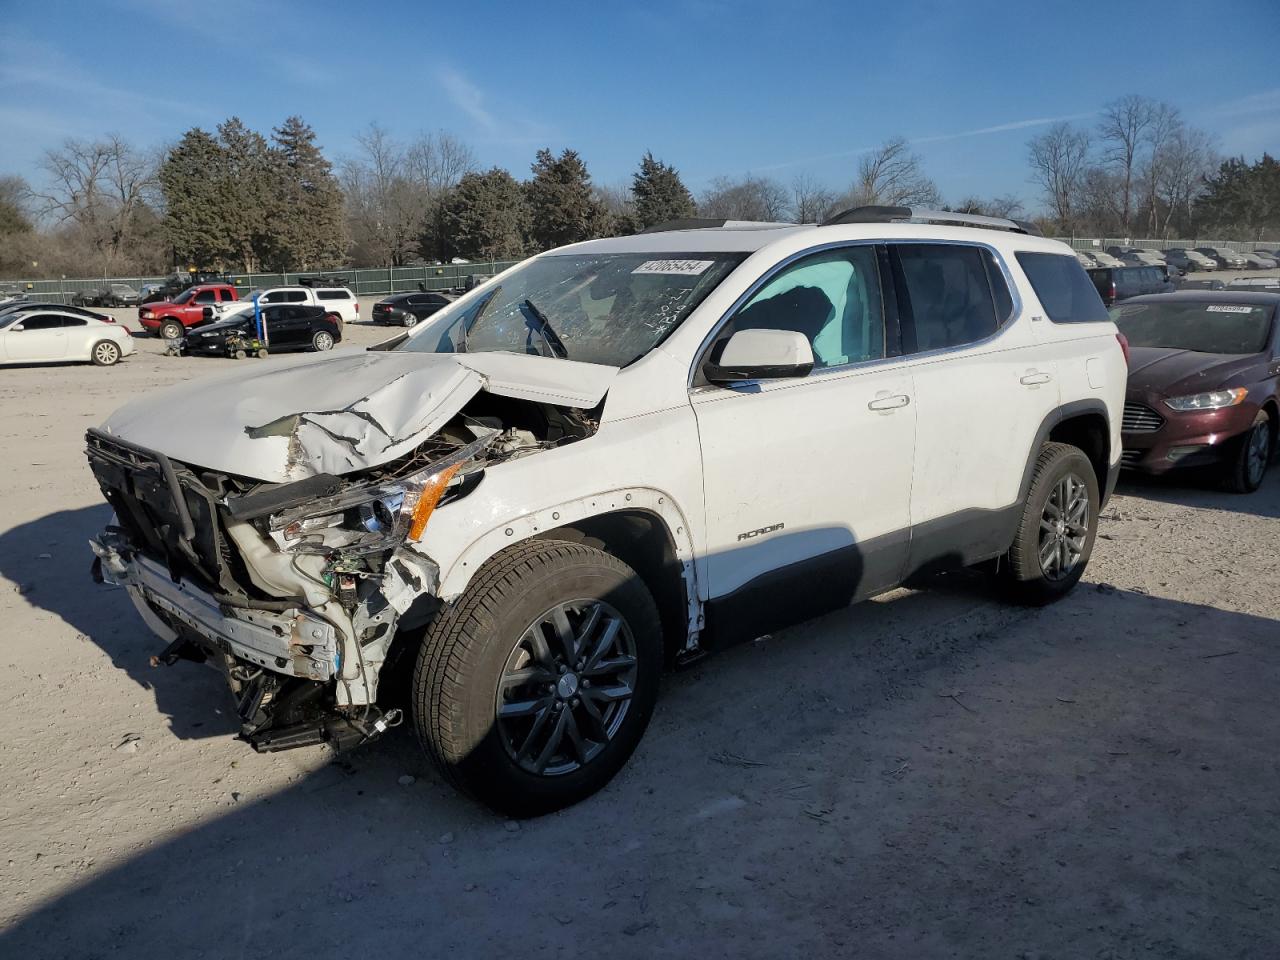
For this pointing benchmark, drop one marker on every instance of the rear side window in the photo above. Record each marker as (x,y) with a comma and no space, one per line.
(947,295)
(333,295)
(1063,287)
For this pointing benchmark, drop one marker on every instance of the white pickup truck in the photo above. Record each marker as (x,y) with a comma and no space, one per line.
(339,300)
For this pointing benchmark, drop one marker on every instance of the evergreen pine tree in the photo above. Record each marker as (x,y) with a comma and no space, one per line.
(659,193)
(562,205)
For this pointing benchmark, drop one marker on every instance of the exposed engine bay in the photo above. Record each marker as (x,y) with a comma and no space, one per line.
(296,589)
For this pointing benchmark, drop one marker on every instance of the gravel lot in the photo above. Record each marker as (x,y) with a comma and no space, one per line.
(928,774)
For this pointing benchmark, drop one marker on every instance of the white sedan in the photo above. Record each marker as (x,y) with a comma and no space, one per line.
(47,335)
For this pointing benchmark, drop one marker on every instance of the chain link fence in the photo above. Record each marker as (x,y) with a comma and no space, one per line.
(1101,243)
(364,282)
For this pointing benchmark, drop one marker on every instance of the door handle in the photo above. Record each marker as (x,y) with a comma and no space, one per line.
(1034,377)
(890,402)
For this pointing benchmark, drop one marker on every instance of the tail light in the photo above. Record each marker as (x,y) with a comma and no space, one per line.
(1113,291)
(357,308)
(1124,347)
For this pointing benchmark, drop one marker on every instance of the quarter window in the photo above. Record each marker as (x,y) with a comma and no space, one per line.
(947,295)
(1063,288)
(832,298)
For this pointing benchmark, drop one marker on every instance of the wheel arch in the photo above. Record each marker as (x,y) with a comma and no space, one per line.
(642,527)
(1084,424)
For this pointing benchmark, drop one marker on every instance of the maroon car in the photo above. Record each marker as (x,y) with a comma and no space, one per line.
(1204,383)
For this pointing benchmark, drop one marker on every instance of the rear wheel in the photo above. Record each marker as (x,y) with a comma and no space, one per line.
(1059,523)
(105,353)
(171,330)
(1246,469)
(532,691)
(321,340)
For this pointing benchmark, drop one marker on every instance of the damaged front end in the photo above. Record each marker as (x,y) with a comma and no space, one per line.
(294,589)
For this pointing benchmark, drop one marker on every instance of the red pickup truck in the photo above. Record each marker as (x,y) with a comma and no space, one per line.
(172,318)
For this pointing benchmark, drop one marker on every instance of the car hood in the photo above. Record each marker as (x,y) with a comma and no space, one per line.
(341,412)
(1175,373)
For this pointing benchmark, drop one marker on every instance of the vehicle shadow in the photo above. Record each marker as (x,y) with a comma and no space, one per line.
(932,773)
(105,616)
(1194,488)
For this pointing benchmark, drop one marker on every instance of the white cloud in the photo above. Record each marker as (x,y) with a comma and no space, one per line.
(467,97)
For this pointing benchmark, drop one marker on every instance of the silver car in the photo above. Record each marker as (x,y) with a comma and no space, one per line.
(1224,258)
(1259,261)
(1189,261)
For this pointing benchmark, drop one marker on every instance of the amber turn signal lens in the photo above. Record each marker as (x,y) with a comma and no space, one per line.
(432,491)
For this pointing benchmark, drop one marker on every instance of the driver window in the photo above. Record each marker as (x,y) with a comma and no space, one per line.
(832,298)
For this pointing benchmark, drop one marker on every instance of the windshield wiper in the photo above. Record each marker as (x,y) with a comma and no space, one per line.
(543,328)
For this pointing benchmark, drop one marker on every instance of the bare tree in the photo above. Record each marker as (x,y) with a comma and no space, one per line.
(811,201)
(100,186)
(1005,205)
(1123,131)
(394,191)
(1059,157)
(893,176)
(751,198)
(1188,159)
(1161,134)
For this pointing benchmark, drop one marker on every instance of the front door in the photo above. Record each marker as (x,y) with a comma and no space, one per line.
(807,480)
(41,338)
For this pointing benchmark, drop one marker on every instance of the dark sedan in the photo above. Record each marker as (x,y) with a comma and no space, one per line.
(406,309)
(1204,383)
(288,327)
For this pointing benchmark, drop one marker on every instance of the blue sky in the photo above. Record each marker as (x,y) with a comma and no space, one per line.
(713,86)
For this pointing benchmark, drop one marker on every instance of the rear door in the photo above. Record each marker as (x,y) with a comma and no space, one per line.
(983,387)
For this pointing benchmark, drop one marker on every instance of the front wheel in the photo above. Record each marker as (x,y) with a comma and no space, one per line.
(1245,470)
(171,330)
(533,689)
(409,320)
(321,341)
(1058,526)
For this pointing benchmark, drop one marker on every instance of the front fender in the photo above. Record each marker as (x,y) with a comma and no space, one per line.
(457,571)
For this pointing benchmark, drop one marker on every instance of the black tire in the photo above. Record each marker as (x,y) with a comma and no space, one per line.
(1032,580)
(239,355)
(469,650)
(105,353)
(410,320)
(171,330)
(1248,465)
(322,340)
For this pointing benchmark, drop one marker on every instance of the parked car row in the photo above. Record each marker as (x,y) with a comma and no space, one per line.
(1184,259)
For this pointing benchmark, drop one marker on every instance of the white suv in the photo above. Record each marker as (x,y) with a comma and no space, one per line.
(338,300)
(614,456)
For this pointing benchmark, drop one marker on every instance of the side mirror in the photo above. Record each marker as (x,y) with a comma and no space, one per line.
(17,328)
(761,355)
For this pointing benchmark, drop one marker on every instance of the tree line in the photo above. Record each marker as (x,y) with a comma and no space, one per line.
(237,199)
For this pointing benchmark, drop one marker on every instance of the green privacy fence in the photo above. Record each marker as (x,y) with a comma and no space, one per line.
(365,282)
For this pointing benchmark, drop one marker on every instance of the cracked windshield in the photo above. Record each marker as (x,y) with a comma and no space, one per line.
(607,308)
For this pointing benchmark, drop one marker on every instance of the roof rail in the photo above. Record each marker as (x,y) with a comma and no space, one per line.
(712,223)
(322,281)
(922,215)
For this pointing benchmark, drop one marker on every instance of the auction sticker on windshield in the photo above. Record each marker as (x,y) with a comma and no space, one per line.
(688,268)
(1222,308)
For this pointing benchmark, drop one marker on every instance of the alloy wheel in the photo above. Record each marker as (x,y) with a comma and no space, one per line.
(322,341)
(1064,527)
(566,687)
(106,353)
(1259,453)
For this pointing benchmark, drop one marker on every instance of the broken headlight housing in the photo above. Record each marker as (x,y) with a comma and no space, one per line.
(378,516)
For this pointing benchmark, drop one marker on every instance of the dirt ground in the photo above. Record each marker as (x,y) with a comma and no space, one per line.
(930,774)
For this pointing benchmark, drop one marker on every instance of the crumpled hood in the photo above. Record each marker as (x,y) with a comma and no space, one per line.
(341,412)
(1175,373)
